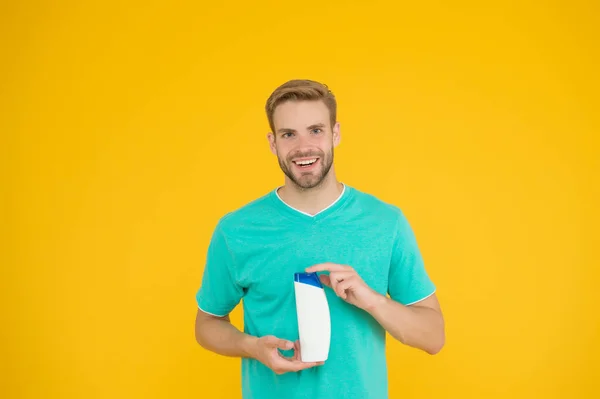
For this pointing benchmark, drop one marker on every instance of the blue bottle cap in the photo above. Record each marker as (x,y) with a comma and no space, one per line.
(308,278)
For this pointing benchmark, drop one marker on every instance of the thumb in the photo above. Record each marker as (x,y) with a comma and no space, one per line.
(325,279)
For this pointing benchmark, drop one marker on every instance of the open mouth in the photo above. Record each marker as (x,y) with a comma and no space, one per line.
(306,163)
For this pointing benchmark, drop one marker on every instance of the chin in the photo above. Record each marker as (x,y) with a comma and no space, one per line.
(308,184)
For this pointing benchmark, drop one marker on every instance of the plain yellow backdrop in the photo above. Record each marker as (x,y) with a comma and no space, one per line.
(128,129)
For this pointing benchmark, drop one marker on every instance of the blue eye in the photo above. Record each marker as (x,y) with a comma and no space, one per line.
(286,134)
(317,130)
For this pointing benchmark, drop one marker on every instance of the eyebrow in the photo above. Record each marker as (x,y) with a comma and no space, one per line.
(313,126)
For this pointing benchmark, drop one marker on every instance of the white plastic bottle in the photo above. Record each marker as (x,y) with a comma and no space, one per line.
(314,322)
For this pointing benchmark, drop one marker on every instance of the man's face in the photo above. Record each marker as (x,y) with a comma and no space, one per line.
(303,141)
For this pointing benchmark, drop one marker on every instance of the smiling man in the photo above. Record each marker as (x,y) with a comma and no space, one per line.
(363,249)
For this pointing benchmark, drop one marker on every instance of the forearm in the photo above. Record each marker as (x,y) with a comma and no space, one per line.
(415,326)
(220,336)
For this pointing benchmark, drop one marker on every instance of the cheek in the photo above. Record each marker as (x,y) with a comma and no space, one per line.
(326,146)
(282,152)
(326,143)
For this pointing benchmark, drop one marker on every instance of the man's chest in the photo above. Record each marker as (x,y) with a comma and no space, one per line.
(266,267)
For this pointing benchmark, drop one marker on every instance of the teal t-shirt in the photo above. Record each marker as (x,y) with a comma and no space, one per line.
(252,257)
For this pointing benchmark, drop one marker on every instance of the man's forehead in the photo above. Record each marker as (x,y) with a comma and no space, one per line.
(300,114)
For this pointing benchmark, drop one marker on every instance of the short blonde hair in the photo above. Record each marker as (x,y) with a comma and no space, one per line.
(301,90)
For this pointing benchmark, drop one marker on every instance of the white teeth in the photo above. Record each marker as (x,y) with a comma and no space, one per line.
(307,162)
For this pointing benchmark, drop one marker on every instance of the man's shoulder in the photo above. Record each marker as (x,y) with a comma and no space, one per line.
(377,205)
(251,212)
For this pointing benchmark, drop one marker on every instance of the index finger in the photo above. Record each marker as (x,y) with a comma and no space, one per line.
(331,267)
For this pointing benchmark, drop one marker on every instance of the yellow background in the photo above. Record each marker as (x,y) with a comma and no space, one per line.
(129,129)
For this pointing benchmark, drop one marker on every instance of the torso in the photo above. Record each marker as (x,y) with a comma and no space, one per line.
(270,242)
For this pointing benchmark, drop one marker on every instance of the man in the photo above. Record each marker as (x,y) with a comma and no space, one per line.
(363,249)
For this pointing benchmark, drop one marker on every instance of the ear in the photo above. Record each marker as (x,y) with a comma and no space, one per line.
(271,138)
(336,134)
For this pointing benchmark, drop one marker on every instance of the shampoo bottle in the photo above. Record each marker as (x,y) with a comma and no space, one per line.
(314,323)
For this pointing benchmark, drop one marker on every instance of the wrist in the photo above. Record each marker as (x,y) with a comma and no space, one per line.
(249,346)
(375,303)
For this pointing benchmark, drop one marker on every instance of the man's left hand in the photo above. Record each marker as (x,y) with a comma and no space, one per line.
(347,284)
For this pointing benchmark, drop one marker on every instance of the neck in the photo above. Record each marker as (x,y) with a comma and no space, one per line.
(312,200)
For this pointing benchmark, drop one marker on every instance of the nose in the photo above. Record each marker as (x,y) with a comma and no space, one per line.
(304,142)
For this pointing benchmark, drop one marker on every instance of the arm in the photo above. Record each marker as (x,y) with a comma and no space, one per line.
(420,325)
(411,313)
(218,335)
(218,295)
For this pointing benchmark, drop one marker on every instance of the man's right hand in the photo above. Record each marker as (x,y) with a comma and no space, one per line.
(266,351)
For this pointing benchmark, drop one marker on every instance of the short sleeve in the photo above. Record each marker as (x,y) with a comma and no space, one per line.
(219,293)
(408,280)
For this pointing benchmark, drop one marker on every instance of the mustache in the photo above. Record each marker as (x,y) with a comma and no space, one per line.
(305,155)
